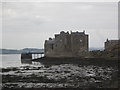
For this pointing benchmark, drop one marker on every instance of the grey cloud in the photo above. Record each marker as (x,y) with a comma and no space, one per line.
(49,18)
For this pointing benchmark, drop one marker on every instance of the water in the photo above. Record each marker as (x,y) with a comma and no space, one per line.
(14,60)
(10,60)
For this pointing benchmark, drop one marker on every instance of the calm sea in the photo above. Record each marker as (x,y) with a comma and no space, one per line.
(14,60)
(10,60)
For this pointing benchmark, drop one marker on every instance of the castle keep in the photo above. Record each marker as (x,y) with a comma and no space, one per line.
(66,44)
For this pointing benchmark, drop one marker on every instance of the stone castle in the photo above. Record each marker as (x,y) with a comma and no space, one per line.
(109,44)
(66,44)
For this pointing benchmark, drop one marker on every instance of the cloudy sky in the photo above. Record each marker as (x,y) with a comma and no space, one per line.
(29,24)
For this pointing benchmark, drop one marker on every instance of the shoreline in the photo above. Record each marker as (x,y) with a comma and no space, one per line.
(81,61)
(60,76)
(62,73)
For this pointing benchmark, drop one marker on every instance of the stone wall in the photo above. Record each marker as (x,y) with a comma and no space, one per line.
(109,44)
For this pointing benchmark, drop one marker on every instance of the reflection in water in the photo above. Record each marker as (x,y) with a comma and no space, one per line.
(26,61)
(26,58)
(36,63)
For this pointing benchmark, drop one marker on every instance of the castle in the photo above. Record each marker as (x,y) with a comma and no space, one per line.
(67,44)
(109,44)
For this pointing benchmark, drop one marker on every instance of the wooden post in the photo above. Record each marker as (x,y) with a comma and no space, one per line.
(37,55)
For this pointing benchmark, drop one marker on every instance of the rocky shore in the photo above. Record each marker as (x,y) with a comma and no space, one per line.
(60,76)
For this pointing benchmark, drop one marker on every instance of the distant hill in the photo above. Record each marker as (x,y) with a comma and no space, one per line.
(25,50)
(33,50)
(9,51)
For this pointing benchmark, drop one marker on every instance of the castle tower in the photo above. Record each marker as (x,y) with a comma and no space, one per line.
(67,45)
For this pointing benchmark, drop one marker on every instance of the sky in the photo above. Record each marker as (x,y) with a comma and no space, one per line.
(29,24)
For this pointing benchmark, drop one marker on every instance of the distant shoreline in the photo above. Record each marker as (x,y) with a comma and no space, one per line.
(9,53)
(25,50)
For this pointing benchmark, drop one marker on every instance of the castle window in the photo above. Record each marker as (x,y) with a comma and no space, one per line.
(80,40)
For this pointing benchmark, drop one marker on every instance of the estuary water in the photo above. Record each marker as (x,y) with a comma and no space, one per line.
(10,60)
(14,60)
